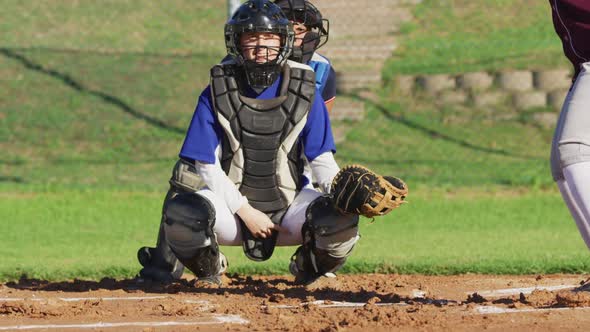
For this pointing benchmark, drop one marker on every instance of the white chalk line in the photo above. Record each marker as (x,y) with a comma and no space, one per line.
(499,310)
(419,294)
(217,319)
(333,304)
(524,290)
(205,303)
(80,299)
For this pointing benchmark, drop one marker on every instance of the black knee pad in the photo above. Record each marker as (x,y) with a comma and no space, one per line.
(191,210)
(328,239)
(189,219)
(324,220)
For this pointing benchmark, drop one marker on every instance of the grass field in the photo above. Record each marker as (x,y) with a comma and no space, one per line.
(175,26)
(92,234)
(91,121)
(455,36)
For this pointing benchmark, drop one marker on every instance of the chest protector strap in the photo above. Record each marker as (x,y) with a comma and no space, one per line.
(261,149)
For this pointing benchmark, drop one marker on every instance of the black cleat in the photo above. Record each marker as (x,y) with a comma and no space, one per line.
(155,268)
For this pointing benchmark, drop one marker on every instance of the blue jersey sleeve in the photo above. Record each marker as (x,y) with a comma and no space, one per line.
(204,134)
(317,134)
(329,89)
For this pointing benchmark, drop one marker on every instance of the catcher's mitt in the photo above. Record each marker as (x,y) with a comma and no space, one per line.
(358,190)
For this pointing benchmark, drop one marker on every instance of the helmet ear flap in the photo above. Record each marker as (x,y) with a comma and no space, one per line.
(304,53)
(312,39)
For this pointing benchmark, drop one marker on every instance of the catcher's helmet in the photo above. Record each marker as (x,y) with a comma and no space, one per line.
(259,16)
(303,11)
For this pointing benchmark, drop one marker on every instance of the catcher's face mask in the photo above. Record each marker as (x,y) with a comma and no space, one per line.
(260,47)
(251,39)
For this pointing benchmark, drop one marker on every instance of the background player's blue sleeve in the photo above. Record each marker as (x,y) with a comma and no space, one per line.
(203,135)
(317,134)
(329,88)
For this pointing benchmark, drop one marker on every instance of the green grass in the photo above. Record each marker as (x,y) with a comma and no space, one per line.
(455,36)
(175,26)
(92,234)
(96,121)
(446,147)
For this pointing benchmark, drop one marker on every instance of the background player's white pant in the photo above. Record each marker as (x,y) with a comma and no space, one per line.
(570,153)
(228,228)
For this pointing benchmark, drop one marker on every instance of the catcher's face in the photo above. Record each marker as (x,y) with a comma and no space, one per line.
(300,31)
(260,47)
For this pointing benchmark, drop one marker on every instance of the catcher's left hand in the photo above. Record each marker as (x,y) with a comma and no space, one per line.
(358,190)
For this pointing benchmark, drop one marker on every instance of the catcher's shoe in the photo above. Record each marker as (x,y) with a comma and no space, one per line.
(304,272)
(216,279)
(297,270)
(157,266)
(307,279)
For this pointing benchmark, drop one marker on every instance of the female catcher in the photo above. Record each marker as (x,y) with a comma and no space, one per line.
(311,32)
(254,126)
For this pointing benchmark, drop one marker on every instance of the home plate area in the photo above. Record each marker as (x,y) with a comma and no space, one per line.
(273,303)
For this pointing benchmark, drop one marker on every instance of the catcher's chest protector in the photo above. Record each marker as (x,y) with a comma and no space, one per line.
(261,152)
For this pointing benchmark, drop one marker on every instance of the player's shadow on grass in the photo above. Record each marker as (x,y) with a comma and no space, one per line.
(79,87)
(273,290)
(434,134)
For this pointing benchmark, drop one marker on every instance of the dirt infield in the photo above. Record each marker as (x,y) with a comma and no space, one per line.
(347,303)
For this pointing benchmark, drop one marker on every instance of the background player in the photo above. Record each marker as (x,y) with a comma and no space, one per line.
(311,33)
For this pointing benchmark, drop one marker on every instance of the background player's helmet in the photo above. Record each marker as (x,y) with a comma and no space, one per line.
(303,11)
(259,16)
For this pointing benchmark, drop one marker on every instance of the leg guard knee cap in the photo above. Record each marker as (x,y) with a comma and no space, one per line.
(338,245)
(328,239)
(324,220)
(331,232)
(189,220)
(191,210)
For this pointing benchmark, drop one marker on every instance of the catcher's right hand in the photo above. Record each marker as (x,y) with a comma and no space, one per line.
(358,190)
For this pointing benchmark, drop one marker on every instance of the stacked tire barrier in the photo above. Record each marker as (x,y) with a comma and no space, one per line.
(524,89)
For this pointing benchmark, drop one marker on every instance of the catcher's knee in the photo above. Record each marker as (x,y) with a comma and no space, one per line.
(188,221)
(328,239)
(324,220)
(338,245)
(573,152)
